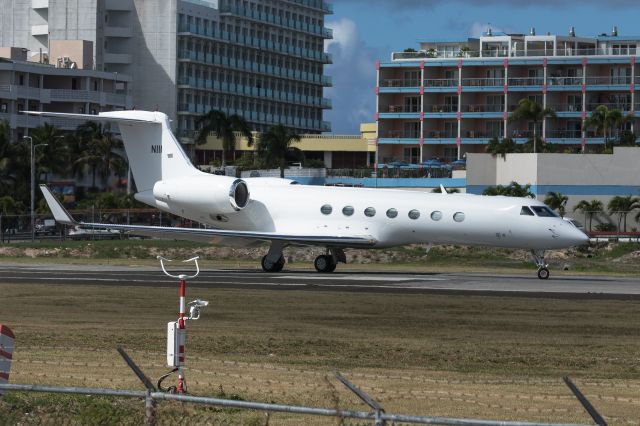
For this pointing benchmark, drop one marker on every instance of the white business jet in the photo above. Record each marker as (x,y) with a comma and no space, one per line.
(241,212)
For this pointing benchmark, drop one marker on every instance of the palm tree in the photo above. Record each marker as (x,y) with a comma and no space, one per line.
(604,120)
(496,147)
(532,111)
(274,146)
(6,157)
(556,201)
(622,206)
(514,189)
(49,158)
(225,127)
(590,209)
(100,151)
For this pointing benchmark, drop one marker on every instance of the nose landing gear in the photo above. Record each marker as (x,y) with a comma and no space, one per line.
(538,258)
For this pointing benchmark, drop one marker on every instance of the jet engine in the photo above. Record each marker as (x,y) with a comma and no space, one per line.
(210,194)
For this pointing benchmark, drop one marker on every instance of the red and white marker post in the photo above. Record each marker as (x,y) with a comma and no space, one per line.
(7,341)
(177,330)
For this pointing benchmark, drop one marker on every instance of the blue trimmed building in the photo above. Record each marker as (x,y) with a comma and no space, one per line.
(450,98)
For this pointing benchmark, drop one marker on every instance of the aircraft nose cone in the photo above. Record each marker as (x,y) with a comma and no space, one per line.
(578,237)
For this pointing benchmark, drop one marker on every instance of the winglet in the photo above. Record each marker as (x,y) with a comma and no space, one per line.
(443,190)
(60,214)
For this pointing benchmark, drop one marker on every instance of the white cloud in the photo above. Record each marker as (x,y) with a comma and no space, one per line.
(354,76)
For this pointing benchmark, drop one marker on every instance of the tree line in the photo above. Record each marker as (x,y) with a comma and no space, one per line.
(620,206)
(610,123)
(93,151)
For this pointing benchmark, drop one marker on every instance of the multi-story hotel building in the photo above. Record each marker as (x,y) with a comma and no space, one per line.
(449,98)
(262,59)
(71,88)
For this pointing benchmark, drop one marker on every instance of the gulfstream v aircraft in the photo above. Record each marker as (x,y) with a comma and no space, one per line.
(282,213)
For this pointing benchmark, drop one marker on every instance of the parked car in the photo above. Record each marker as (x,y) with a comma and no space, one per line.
(46,227)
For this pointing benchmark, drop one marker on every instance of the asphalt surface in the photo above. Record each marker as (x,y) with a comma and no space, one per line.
(523,285)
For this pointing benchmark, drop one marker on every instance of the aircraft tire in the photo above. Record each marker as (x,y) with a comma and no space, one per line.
(324,264)
(276,267)
(543,273)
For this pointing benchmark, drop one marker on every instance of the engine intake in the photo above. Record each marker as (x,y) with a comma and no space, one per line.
(239,194)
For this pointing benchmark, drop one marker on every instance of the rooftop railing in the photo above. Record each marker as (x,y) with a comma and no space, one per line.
(505,51)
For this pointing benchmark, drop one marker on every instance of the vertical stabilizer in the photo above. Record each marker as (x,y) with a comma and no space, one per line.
(153,151)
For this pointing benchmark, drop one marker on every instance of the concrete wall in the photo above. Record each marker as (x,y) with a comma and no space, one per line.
(154,69)
(579,176)
(79,51)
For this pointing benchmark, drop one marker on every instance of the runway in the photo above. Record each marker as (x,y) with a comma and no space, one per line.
(524,285)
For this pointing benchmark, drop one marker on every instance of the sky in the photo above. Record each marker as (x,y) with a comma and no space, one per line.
(365,31)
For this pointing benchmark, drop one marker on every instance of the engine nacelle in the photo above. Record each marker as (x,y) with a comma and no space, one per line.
(210,194)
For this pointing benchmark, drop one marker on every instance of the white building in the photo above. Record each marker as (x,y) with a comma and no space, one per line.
(263,59)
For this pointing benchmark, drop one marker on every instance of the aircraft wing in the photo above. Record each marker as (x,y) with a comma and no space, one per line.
(61,215)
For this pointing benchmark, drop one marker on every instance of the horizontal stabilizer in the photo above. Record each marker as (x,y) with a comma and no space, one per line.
(60,214)
(103,117)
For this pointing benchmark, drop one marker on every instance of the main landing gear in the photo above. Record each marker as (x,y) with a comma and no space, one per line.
(274,260)
(276,266)
(326,263)
(538,258)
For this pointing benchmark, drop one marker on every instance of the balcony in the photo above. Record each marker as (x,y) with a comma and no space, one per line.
(439,134)
(441,108)
(608,81)
(483,82)
(563,107)
(564,81)
(400,134)
(40,30)
(536,81)
(39,4)
(273,19)
(399,83)
(441,82)
(622,106)
(482,108)
(564,134)
(117,32)
(401,109)
(117,58)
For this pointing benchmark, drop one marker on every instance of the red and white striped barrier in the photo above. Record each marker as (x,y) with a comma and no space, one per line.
(7,340)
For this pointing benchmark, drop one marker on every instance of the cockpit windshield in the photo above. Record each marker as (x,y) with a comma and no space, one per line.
(526,211)
(543,211)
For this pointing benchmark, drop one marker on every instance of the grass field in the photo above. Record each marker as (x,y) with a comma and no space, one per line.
(462,356)
(611,259)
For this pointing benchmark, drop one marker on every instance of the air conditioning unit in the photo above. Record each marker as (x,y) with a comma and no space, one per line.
(64,62)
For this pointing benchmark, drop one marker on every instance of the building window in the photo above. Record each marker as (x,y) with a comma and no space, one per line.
(392,213)
(458,217)
(414,214)
(347,210)
(326,209)
(436,215)
(370,212)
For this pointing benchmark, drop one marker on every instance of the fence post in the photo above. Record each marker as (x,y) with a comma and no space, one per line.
(149,403)
(150,409)
(377,408)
